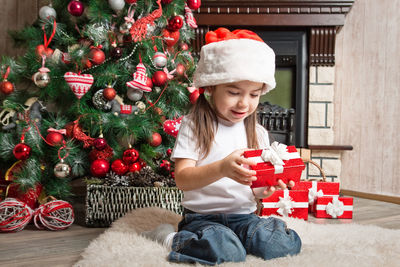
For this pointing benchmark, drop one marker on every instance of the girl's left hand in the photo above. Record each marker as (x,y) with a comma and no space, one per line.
(264,192)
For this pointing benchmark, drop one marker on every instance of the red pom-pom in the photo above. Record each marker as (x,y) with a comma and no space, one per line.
(130,1)
(54,215)
(99,167)
(107,153)
(22,151)
(119,167)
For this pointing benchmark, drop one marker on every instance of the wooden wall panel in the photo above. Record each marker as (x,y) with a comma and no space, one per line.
(367,97)
(15,14)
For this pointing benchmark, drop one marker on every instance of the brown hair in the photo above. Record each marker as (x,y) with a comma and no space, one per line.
(205,120)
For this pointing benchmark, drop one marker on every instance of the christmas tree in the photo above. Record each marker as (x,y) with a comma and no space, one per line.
(99,92)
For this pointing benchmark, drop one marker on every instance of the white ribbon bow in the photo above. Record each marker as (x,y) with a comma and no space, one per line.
(275,154)
(335,208)
(285,204)
(313,194)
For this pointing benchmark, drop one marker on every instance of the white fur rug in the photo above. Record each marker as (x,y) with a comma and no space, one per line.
(323,245)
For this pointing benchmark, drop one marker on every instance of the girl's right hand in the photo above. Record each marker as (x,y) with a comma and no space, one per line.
(231,167)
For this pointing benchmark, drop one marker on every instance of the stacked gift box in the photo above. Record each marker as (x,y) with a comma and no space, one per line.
(320,198)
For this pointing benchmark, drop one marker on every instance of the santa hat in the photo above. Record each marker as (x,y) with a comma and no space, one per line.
(235,56)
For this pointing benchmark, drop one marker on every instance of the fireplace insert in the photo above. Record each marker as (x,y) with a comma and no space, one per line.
(283,111)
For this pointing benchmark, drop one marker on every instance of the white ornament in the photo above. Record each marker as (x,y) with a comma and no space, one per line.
(160,60)
(47,12)
(116,5)
(134,94)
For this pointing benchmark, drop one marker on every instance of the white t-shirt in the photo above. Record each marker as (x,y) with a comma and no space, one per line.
(225,195)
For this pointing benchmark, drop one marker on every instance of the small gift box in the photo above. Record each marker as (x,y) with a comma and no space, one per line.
(288,203)
(275,162)
(334,207)
(317,189)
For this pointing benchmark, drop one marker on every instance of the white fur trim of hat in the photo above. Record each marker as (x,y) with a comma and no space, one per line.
(236,60)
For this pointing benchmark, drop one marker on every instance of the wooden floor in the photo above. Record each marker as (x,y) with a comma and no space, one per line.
(32,247)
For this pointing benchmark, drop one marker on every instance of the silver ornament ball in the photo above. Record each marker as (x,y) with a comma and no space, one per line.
(134,94)
(62,170)
(47,12)
(100,102)
(41,79)
(125,27)
(160,59)
(116,5)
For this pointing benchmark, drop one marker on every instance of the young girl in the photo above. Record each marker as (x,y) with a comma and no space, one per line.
(219,223)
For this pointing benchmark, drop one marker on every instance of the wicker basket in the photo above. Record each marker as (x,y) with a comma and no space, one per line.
(105,204)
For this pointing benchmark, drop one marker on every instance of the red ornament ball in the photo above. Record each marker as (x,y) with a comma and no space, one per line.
(97,56)
(159,78)
(116,53)
(100,143)
(166,2)
(99,167)
(149,82)
(142,163)
(22,151)
(180,69)
(130,1)
(193,4)
(54,138)
(135,167)
(76,8)
(184,46)
(119,167)
(130,156)
(169,152)
(109,93)
(155,140)
(175,23)
(6,87)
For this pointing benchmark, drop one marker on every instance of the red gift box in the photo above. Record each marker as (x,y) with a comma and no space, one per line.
(317,189)
(334,207)
(289,203)
(276,162)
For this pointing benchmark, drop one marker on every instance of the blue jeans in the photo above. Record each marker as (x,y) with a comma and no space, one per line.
(213,239)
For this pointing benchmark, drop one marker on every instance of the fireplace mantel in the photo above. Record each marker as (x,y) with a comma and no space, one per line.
(322,18)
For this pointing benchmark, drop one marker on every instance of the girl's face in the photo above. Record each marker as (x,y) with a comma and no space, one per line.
(235,101)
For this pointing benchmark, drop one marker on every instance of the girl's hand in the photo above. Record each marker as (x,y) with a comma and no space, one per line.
(264,192)
(231,167)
